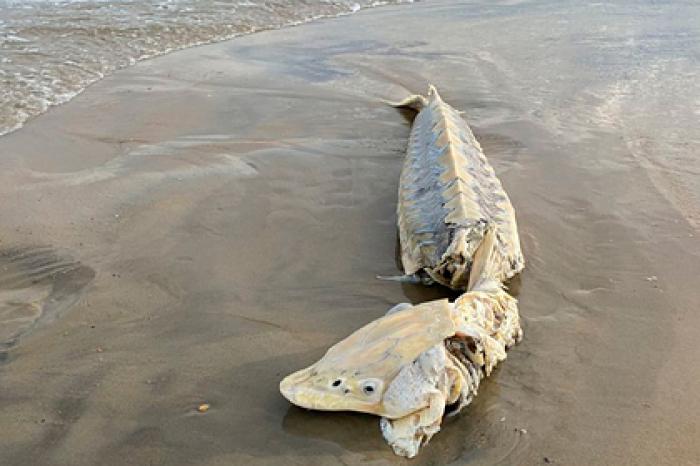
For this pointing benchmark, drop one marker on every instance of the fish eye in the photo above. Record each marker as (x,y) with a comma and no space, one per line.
(369,387)
(336,383)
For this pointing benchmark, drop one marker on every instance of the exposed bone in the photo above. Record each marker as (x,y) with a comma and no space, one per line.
(487,323)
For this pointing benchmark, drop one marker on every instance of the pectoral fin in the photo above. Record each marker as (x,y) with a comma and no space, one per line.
(407,434)
(415,279)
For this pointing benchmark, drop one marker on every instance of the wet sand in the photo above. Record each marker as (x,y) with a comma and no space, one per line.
(194,228)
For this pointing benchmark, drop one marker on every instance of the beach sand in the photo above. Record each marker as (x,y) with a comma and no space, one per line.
(192,229)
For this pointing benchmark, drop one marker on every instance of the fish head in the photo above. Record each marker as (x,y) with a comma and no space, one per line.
(354,374)
(329,389)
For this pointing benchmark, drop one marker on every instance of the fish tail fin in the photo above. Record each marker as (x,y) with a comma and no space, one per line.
(414,102)
(432,91)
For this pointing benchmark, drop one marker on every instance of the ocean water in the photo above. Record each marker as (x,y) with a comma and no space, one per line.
(51,50)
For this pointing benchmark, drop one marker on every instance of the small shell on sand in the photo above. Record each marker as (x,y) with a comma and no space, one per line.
(203,408)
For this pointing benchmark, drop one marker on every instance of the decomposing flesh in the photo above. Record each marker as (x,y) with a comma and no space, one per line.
(409,365)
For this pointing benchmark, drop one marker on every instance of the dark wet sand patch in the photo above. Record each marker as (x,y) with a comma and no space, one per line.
(37,284)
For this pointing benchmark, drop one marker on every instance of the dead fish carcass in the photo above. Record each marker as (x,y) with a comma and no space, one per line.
(449,196)
(409,365)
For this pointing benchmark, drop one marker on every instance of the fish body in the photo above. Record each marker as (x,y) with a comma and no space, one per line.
(456,227)
(449,196)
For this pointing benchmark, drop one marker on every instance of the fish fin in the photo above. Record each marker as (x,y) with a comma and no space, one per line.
(481,276)
(415,279)
(415,102)
(432,91)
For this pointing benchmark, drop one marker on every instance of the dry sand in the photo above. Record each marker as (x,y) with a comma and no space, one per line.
(194,228)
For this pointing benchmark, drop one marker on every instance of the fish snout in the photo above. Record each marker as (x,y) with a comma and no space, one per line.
(292,385)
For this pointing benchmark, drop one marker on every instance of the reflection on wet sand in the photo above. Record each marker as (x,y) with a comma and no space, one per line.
(36,285)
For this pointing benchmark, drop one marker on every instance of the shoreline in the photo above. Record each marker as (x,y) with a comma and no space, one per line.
(218,216)
(65,98)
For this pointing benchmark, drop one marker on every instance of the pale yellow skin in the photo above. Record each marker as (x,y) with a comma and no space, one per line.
(410,364)
(354,373)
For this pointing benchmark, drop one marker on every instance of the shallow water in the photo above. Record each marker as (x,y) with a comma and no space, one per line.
(52,50)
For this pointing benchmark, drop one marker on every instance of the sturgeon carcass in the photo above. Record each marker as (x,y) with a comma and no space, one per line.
(409,365)
(448,197)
